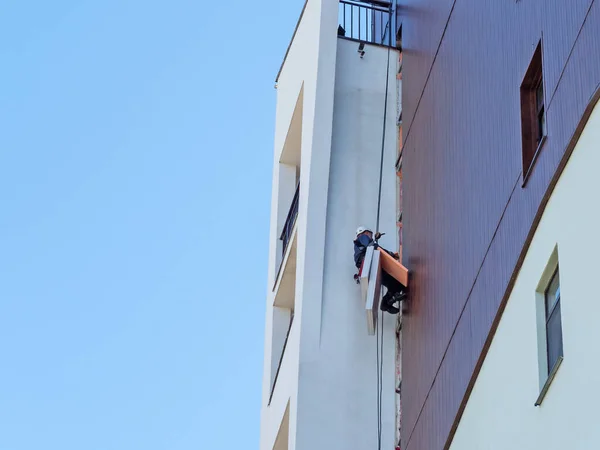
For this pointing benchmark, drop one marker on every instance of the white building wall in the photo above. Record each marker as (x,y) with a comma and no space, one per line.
(338,395)
(299,74)
(500,413)
(327,379)
(308,69)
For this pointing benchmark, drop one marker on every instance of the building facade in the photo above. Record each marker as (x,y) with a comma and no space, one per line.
(489,176)
(499,150)
(321,379)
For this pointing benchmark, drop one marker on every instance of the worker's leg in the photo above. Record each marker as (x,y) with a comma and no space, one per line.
(387,304)
(392,287)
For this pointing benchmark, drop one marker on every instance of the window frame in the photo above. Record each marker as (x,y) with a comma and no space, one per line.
(540,109)
(533,112)
(550,315)
(547,373)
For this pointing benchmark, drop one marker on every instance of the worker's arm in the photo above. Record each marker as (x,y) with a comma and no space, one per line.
(392,254)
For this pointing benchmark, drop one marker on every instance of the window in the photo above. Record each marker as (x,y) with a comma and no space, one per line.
(539,109)
(549,325)
(533,111)
(554,344)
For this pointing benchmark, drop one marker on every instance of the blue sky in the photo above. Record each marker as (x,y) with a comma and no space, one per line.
(135,178)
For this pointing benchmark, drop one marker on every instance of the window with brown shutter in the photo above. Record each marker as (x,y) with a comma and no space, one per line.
(533,112)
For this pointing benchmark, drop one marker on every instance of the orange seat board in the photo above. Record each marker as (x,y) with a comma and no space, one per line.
(394,268)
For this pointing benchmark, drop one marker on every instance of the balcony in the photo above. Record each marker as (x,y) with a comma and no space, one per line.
(280,359)
(284,296)
(285,281)
(290,221)
(373,22)
(369,22)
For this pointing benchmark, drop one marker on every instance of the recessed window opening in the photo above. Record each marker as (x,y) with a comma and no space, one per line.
(554,344)
(549,325)
(533,111)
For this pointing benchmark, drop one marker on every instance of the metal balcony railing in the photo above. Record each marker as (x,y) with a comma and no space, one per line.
(290,221)
(370,22)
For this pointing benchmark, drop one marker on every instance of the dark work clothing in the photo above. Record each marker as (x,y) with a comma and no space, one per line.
(360,249)
(392,285)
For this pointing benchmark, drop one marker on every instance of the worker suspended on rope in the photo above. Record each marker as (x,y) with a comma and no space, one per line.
(396,292)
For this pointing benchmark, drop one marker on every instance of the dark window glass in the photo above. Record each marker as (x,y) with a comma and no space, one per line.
(541,121)
(533,111)
(540,95)
(539,100)
(553,322)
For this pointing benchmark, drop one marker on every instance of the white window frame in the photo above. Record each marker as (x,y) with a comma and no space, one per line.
(546,375)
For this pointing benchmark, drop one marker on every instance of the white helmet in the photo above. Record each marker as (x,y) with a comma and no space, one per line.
(361,230)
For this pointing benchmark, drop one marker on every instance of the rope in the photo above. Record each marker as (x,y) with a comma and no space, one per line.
(381,386)
(380,335)
(379,367)
(387,86)
(379,383)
